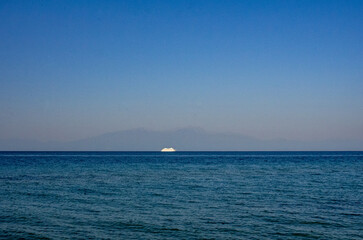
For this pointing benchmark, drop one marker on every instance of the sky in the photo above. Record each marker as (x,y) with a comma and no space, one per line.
(267,69)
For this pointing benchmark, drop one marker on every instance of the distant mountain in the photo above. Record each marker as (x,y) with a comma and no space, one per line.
(27,145)
(193,139)
(186,139)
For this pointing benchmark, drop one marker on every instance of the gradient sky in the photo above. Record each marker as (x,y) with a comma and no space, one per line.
(268,69)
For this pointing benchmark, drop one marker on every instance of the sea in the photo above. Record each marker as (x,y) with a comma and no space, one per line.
(181,195)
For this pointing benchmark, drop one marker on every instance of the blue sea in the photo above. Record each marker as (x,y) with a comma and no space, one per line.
(181,195)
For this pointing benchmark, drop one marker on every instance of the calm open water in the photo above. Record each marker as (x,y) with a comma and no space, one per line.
(182,195)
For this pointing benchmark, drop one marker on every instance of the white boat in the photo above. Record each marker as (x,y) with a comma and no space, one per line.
(168,150)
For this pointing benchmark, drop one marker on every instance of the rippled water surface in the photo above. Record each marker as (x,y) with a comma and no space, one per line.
(182,195)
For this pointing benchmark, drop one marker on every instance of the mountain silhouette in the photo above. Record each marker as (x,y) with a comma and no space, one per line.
(185,139)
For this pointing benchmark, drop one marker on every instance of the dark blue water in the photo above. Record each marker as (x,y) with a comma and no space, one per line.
(185,195)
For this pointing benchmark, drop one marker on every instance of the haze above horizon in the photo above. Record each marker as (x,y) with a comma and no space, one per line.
(267,69)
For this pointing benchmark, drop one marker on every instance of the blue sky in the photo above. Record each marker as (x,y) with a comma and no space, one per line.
(268,69)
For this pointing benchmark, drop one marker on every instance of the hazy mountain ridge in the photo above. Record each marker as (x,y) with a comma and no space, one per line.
(185,139)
